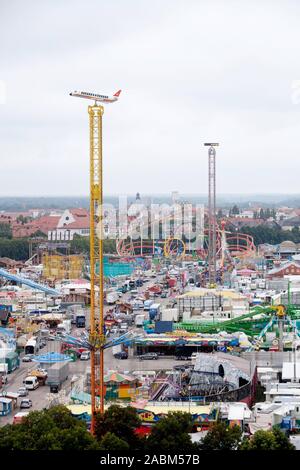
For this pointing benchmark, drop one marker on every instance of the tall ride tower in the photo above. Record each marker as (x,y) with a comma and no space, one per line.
(212,226)
(97,337)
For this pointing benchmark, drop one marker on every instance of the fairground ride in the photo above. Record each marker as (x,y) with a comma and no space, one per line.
(96,336)
(254,324)
(229,245)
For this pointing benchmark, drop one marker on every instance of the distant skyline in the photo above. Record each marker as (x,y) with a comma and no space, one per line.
(190,72)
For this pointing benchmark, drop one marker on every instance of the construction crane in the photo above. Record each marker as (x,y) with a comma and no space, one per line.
(97,336)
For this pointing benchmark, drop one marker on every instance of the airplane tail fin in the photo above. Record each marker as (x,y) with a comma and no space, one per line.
(117,93)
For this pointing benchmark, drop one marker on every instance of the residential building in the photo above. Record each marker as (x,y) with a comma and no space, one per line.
(72,222)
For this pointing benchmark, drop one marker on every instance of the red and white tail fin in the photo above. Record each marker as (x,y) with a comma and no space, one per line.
(117,93)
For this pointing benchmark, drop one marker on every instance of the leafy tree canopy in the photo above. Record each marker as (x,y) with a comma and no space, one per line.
(221,437)
(171,434)
(53,429)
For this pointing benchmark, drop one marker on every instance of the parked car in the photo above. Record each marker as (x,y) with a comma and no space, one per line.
(85,355)
(18,418)
(183,358)
(114,331)
(121,355)
(27,358)
(26,403)
(148,356)
(55,388)
(22,392)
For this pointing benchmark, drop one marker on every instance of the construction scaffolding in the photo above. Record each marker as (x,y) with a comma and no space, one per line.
(62,267)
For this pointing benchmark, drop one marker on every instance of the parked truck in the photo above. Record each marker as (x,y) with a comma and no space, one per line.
(154,311)
(12,360)
(64,327)
(117,349)
(3,374)
(40,375)
(112,297)
(57,373)
(169,314)
(80,320)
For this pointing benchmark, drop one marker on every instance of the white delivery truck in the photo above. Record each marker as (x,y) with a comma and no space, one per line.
(169,314)
(139,320)
(64,327)
(116,349)
(112,297)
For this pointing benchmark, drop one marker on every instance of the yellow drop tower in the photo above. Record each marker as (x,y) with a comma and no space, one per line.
(97,337)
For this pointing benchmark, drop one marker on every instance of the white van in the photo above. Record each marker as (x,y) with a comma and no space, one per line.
(194,357)
(31,383)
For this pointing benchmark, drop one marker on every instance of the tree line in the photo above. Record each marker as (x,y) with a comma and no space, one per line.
(258,214)
(273,235)
(115,432)
(18,248)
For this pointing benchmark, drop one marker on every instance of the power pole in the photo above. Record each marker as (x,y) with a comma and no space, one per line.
(212,226)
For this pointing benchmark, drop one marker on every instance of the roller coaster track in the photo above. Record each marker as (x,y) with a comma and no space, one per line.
(27,282)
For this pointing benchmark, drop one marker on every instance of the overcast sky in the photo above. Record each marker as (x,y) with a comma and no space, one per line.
(190,72)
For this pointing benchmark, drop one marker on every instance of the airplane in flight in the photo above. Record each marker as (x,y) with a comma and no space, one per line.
(97,97)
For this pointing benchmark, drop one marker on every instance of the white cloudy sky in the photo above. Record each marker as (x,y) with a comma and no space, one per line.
(190,71)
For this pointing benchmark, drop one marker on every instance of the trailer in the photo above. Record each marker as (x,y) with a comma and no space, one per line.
(154,311)
(57,373)
(12,360)
(139,320)
(147,304)
(31,346)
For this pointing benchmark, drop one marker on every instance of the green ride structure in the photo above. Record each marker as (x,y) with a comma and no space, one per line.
(254,324)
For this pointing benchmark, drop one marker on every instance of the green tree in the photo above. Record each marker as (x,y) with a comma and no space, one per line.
(38,234)
(17,249)
(111,443)
(235,210)
(81,245)
(5,230)
(221,437)
(122,422)
(273,235)
(109,246)
(267,440)
(267,213)
(170,434)
(23,220)
(53,429)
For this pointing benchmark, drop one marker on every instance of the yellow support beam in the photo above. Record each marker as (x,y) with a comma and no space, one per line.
(96,258)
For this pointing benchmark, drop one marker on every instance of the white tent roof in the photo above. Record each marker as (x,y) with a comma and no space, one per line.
(288,370)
